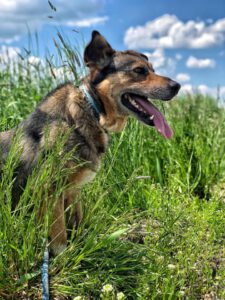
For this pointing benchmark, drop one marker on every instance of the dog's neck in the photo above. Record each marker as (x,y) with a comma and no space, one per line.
(92,98)
(103,107)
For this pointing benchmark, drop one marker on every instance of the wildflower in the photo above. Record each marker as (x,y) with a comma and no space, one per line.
(120,296)
(160,258)
(108,288)
(181,293)
(171,267)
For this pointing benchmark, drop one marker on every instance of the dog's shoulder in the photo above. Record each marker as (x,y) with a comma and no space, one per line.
(50,110)
(58,97)
(60,90)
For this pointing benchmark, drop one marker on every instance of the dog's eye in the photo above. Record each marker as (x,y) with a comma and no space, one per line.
(140,70)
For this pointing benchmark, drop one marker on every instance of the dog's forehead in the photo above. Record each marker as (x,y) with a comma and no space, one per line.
(129,57)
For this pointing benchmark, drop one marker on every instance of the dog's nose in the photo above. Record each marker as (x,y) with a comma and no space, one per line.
(175,86)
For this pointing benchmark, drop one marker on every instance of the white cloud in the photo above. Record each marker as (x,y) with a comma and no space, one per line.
(222,92)
(193,62)
(186,88)
(178,56)
(8,54)
(157,58)
(18,15)
(34,60)
(13,59)
(205,90)
(183,77)
(87,22)
(161,63)
(168,31)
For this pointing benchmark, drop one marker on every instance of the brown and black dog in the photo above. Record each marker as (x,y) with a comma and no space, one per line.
(119,85)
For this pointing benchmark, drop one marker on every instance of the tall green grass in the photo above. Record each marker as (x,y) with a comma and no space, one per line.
(154,216)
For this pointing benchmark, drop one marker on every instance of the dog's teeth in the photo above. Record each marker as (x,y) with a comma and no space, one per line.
(152,117)
(135,104)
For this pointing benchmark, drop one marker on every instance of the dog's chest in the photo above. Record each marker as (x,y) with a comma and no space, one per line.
(90,152)
(83,176)
(91,143)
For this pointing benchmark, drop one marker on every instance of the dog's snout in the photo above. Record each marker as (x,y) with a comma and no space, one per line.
(175,86)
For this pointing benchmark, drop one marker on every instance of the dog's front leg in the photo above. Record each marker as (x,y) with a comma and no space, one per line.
(57,232)
(73,207)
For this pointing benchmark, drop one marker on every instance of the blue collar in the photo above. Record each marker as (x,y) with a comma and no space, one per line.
(95,105)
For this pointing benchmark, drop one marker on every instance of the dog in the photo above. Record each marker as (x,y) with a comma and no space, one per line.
(119,85)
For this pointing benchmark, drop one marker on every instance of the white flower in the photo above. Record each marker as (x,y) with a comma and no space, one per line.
(120,296)
(171,267)
(181,293)
(107,288)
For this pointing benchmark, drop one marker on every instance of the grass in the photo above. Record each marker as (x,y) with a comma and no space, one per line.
(154,216)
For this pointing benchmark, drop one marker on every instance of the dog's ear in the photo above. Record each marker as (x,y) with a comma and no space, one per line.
(98,52)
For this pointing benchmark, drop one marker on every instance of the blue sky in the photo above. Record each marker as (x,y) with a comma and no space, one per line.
(183,39)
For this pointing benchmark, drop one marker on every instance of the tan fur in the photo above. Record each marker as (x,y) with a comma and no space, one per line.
(112,121)
(58,228)
(75,215)
(82,177)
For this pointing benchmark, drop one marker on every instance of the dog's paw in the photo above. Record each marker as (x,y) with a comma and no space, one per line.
(56,249)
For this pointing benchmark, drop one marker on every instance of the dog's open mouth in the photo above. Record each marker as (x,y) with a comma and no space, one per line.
(147,113)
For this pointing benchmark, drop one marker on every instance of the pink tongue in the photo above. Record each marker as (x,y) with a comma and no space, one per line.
(159,119)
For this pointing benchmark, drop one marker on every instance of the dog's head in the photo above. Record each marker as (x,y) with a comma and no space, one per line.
(124,82)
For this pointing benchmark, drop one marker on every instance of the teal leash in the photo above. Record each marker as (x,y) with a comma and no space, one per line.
(44,276)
